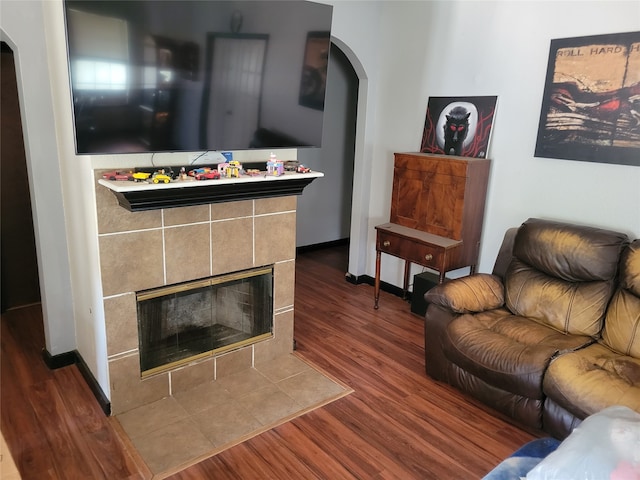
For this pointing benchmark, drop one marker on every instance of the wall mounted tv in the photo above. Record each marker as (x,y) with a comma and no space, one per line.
(172,76)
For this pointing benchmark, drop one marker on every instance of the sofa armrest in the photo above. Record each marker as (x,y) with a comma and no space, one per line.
(475,293)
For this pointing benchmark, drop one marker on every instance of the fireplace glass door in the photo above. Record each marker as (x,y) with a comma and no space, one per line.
(180,323)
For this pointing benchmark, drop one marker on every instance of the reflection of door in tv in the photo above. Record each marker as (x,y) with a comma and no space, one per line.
(235,86)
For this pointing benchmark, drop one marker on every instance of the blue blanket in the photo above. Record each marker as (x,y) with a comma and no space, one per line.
(522,460)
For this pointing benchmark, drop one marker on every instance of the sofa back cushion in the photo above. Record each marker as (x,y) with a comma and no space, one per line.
(563,275)
(622,325)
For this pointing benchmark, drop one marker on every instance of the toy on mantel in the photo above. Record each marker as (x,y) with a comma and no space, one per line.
(234,168)
(230,169)
(140,176)
(118,175)
(204,173)
(275,167)
(291,165)
(222,168)
(161,176)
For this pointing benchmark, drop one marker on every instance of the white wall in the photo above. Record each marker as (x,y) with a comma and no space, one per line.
(512,63)
(403,52)
(483,48)
(22,26)
(79,200)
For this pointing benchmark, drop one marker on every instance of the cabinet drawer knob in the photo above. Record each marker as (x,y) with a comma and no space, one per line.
(386,243)
(428,257)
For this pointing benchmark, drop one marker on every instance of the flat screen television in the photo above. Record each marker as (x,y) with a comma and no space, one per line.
(172,76)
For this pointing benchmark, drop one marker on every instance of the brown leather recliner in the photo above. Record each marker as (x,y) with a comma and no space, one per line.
(494,336)
(606,373)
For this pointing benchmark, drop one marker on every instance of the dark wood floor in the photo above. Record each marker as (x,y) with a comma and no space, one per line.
(398,424)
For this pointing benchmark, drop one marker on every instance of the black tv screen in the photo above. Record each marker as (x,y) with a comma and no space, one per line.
(171,76)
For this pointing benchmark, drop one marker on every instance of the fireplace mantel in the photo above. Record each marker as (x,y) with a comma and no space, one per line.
(147,196)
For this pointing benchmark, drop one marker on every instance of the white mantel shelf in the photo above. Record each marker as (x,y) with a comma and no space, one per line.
(138,196)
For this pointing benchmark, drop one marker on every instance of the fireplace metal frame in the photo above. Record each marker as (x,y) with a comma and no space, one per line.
(212,281)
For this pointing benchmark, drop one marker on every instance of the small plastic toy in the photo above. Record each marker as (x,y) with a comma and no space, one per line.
(222,168)
(291,165)
(200,171)
(302,169)
(233,169)
(118,175)
(275,167)
(160,176)
(210,175)
(140,176)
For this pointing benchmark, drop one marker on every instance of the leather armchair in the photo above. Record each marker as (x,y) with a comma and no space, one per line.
(494,336)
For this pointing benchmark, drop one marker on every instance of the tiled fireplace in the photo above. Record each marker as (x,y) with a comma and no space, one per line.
(141,251)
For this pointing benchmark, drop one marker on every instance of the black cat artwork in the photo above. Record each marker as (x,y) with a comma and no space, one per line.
(455,130)
(459,126)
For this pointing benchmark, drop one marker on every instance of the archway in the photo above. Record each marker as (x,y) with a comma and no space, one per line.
(362,171)
(20,283)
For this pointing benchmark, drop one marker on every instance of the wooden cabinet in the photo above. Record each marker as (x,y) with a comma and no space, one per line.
(437,211)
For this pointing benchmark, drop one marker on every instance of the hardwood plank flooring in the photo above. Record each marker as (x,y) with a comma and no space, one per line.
(53,426)
(398,423)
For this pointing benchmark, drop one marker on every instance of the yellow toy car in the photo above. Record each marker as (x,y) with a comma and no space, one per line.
(140,176)
(160,177)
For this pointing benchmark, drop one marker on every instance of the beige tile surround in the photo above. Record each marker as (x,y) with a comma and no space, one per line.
(149,249)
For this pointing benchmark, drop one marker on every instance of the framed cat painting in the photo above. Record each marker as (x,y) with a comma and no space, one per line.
(459,125)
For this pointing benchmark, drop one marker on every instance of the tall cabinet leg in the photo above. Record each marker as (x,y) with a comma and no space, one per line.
(405,287)
(376,285)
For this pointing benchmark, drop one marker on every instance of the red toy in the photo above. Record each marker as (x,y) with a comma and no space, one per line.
(204,173)
(118,175)
(211,175)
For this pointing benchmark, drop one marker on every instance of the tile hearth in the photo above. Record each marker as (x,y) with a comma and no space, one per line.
(175,432)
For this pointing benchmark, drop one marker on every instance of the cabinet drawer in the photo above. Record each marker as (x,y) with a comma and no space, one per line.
(425,255)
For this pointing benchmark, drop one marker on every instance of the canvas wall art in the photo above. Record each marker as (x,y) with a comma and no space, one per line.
(591,103)
(459,126)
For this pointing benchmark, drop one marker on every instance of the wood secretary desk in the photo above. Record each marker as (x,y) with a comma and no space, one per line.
(437,212)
